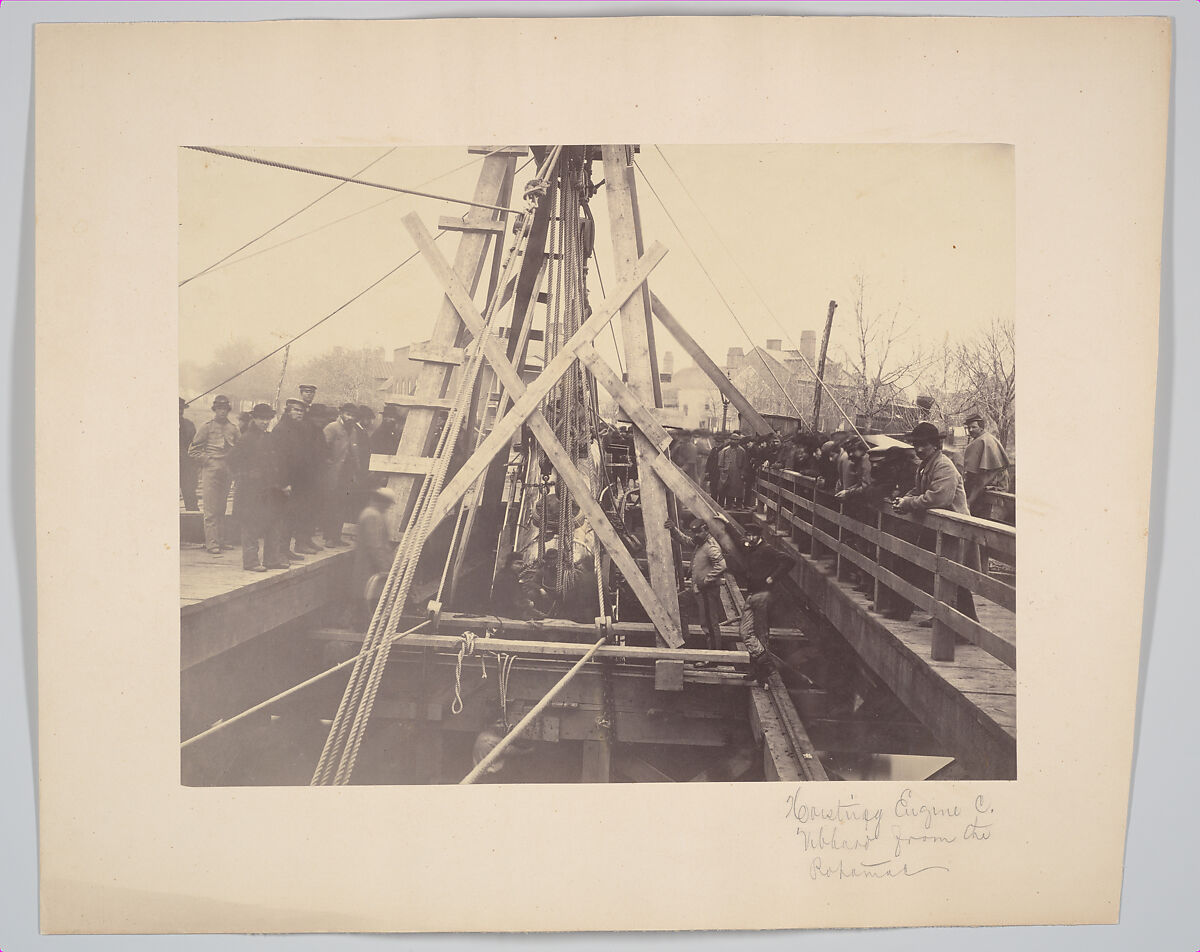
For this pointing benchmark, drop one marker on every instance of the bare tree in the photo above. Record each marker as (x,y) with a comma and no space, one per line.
(986,367)
(237,371)
(878,364)
(343,374)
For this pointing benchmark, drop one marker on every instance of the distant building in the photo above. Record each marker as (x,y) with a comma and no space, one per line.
(780,382)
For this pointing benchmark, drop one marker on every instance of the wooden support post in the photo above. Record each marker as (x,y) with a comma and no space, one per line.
(706,363)
(433,379)
(597,761)
(941,643)
(819,383)
(641,365)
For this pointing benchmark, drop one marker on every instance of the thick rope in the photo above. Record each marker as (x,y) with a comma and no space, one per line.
(466,649)
(347,178)
(506,664)
(408,554)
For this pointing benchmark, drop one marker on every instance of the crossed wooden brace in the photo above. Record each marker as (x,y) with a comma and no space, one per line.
(525,409)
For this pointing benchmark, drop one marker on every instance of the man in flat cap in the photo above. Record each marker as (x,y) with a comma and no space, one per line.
(307,394)
(260,492)
(341,465)
(187,466)
(707,573)
(938,485)
(985,466)
(211,445)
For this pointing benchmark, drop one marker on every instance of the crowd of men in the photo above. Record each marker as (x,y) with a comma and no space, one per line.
(728,464)
(303,477)
(308,474)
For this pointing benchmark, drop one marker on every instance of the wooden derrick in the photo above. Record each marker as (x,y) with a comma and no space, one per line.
(517,405)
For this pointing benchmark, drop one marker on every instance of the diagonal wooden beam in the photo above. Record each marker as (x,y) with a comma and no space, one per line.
(525,399)
(542,432)
(705,363)
(433,379)
(639,413)
(641,362)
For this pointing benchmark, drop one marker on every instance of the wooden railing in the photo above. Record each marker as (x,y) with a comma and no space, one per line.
(914,560)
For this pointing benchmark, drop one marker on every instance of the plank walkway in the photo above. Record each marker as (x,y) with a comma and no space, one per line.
(222,605)
(204,577)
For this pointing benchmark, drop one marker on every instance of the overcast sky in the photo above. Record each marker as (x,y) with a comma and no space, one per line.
(931,227)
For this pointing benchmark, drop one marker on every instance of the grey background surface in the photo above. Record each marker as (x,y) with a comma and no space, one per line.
(1160,909)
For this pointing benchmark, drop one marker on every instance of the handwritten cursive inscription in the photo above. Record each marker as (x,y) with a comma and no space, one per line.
(897,837)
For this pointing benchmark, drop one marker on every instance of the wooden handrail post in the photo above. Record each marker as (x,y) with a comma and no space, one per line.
(877,589)
(837,573)
(941,645)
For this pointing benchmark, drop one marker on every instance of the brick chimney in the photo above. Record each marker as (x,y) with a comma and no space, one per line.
(666,367)
(808,347)
(735,358)
(774,344)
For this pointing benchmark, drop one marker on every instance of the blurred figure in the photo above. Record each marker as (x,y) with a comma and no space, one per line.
(341,470)
(685,455)
(187,466)
(373,555)
(212,444)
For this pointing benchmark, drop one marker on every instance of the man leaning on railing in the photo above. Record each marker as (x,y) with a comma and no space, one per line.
(939,485)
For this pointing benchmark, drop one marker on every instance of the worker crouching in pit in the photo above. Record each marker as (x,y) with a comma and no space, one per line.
(763,568)
(509,596)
